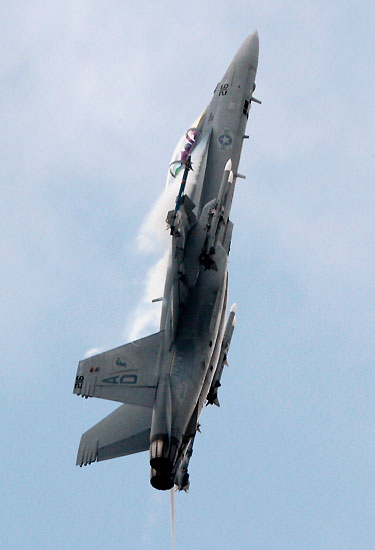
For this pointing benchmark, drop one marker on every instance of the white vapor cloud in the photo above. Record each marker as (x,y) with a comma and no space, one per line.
(153,236)
(153,233)
(145,319)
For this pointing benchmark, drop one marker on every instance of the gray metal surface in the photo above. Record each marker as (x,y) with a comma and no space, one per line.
(164,380)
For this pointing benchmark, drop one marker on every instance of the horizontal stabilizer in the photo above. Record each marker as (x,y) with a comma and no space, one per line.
(128,374)
(123,432)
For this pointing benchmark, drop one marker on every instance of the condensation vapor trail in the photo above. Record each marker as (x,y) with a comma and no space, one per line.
(172,518)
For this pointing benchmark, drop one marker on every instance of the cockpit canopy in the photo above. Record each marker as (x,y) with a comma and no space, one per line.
(185,148)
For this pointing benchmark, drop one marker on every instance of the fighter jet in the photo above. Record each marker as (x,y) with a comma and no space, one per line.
(164,380)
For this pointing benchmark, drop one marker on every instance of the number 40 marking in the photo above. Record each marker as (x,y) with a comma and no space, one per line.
(223,89)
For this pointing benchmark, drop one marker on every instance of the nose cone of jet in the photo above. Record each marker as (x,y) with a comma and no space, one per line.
(249,51)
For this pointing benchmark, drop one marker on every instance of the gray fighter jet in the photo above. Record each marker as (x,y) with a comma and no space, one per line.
(165,379)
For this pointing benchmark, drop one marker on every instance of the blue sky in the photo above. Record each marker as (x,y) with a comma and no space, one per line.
(94,97)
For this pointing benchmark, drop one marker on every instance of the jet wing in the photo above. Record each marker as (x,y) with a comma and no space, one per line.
(128,374)
(123,432)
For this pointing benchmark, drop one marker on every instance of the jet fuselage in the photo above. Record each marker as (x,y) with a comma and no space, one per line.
(165,379)
(190,356)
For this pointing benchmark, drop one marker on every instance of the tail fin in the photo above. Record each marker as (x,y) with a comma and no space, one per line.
(123,432)
(128,374)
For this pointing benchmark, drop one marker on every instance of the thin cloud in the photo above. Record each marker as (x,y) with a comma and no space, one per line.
(93,351)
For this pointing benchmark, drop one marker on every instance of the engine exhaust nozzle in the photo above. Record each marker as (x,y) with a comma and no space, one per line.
(161,481)
(159,455)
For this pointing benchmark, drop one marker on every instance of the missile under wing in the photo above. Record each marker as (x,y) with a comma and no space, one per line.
(164,380)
